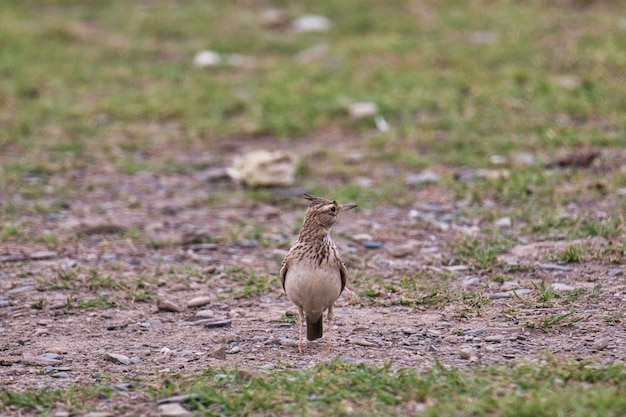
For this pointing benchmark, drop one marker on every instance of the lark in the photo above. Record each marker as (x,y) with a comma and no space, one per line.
(312,273)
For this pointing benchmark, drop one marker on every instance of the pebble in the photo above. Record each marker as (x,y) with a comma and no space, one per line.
(219,352)
(364,343)
(509,285)
(601,344)
(117,358)
(362,109)
(181,398)
(467,353)
(409,330)
(562,287)
(42,255)
(371,244)
(311,23)
(496,338)
(400,251)
(207,59)
(615,272)
(554,267)
(273,17)
(204,246)
(508,294)
(425,177)
(100,414)
(42,360)
(205,314)
(288,342)
(268,366)
(246,243)
(213,324)
(172,410)
(20,290)
(474,332)
(5,302)
(163,304)
(234,350)
(199,301)
(504,222)
(315,53)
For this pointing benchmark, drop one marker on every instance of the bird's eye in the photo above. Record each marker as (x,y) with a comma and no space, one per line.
(333,209)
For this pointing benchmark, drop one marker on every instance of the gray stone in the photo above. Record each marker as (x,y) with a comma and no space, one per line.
(117,358)
(496,338)
(425,177)
(512,293)
(205,314)
(207,59)
(615,272)
(371,244)
(562,287)
(42,255)
(554,267)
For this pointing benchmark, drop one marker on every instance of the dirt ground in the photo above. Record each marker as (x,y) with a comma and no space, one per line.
(109,229)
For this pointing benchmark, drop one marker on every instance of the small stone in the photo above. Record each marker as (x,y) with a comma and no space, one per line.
(246,243)
(219,352)
(601,344)
(466,353)
(425,177)
(498,159)
(509,285)
(512,293)
(363,342)
(362,236)
(315,53)
(100,414)
(496,338)
(213,324)
(362,109)
(273,17)
(615,272)
(288,342)
(203,246)
(163,304)
(172,410)
(474,332)
(199,301)
(42,255)
(504,222)
(179,398)
(311,23)
(562,287)
(268,366)
(409,330)
(554,267)
(400,251)
(205,314)
(117,358)
(371,244)
(234,350)
(207,59)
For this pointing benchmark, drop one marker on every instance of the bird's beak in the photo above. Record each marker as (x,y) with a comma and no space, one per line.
(346,207)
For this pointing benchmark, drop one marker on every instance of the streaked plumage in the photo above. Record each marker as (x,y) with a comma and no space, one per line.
(313,274)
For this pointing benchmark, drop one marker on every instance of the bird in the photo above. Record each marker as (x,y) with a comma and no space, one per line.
(312,273)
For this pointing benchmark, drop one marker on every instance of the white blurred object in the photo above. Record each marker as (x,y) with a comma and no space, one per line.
(264,168)
(207,59)
(311,23)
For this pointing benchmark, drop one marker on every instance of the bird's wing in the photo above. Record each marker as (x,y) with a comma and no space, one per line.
(283,272)
(344,275)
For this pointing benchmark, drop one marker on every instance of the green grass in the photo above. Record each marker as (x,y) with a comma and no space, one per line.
(339,387)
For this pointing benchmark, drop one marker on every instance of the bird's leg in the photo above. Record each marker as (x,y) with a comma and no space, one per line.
(330,328)
(301,316)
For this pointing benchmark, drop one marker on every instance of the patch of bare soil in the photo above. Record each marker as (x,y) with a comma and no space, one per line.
(128,241)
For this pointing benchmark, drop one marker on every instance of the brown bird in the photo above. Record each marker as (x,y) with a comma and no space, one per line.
(313,274)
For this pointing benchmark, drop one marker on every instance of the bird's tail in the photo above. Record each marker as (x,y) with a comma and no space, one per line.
(314,328)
